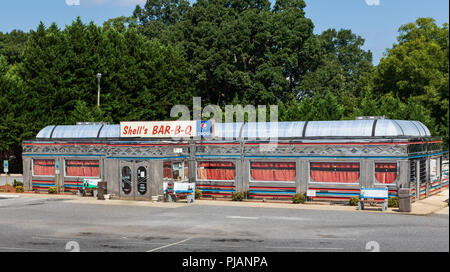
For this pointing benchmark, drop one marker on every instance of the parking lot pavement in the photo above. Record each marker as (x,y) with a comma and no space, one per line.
(426,206)
(62,224)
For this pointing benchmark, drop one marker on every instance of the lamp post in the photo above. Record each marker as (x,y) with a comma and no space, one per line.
(99,76)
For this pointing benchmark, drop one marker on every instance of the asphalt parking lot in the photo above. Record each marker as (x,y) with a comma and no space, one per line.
(33,224)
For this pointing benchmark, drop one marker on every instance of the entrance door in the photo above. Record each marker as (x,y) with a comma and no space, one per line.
(134,183)
(127,186)
(141,171)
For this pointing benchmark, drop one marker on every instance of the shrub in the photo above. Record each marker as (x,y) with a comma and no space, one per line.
(237,196)
(247,195)
(299,198)
(19,189)
(17,183)
(198,193)
(354,201)
(52,190)
(393,202)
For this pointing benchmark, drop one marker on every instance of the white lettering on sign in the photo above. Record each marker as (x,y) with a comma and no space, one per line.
(158,129)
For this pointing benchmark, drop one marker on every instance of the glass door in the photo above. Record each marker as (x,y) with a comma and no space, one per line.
(127,184)
(142,179)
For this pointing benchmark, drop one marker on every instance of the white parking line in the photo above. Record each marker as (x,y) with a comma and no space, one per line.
(21,248)
(158,248)
(242,217)
(308,248)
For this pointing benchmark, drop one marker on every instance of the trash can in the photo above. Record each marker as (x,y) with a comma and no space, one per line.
(101,190)
(404,200)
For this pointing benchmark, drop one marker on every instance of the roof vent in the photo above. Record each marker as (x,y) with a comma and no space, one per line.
(370,117)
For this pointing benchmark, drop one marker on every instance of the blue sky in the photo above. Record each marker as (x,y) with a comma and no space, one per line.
(377,21)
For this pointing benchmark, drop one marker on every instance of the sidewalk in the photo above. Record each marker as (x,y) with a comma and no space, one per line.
(434,204)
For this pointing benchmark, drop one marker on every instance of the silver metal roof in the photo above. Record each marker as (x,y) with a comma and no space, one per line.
(346,128)
(110,131)
(361,128)
(227,130)
(45,133)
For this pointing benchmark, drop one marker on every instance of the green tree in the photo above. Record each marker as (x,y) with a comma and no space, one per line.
(10,124)
(344,69)
(240,50)
(417,69)
(12,45)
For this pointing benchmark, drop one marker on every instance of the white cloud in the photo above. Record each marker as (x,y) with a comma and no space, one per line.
(73,2)
(130,2)
(373,2)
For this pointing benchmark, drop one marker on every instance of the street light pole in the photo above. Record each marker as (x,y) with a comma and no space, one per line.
(99,76)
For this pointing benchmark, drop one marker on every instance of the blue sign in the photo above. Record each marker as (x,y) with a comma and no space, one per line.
(5,166)
(374,193)
(205,128)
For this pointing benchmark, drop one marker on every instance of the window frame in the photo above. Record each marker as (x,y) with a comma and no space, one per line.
(185,165)
(209,180)
(32,168)
(376,182)
(310,180)
(82,159)
(269,181)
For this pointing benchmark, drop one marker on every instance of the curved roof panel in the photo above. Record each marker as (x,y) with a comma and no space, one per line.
(401,128)
(361,128)
(422,127)
(45,132)
(78,131)
(110,131)
(272,130)
(256,130)
(227,130)
(387,128)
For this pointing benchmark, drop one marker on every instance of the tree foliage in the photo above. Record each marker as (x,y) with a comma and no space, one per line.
(226,52)
(416,71)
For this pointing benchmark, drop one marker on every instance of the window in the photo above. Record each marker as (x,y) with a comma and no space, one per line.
(423,170)
(412,171)
(385,173)
(175,170)
(142,180)
(434,165)
(82,168)
(272,171)
(43,167)
(213,170)
(126,180)
(336,172)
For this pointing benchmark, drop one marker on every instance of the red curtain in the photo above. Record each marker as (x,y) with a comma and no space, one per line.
(386,173)
(44,167)
(82,168)
(186,172)
(167,170)
(273,171)
(216,170)
(345,172)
